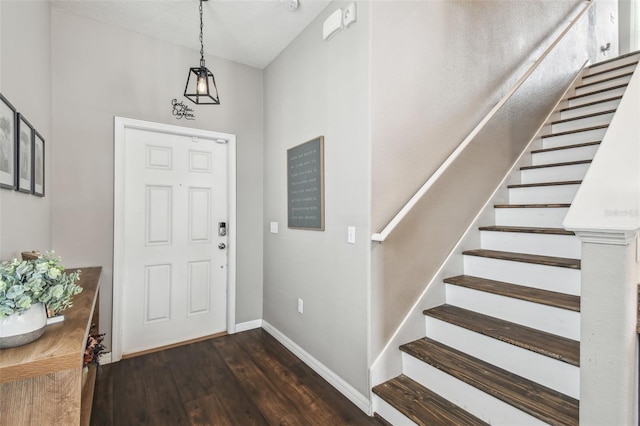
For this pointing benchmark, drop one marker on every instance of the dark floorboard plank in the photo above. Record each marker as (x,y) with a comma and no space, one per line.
(297,387)
(163,398)
(272,402)
(219,410)
(130,381)
(218,385)
(102,409)
(343,408)
(244,379)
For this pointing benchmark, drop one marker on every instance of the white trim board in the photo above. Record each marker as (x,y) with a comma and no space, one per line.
(248,325)
(120,124)
(361,401)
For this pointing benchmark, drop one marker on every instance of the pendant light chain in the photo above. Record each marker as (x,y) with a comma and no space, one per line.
(201,84)
(201,38)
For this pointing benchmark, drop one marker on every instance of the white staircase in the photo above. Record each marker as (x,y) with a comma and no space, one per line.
(504,349)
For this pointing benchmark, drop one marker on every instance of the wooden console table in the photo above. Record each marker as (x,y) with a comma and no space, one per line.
(41,382)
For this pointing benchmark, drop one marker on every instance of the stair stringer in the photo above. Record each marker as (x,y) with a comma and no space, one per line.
(388,363)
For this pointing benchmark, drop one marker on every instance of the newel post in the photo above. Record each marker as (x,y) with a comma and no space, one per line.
(605,215)
(609,342)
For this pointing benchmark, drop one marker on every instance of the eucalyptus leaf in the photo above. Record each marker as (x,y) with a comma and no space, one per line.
(42,280)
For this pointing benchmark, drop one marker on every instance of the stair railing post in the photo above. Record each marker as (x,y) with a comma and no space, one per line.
(609,340)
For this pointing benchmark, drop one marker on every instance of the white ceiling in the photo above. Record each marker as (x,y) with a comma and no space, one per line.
(252,32)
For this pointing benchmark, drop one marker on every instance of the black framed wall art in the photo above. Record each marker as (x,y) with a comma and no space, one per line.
(25,154)
(8,140)
(38,164)
(305,185)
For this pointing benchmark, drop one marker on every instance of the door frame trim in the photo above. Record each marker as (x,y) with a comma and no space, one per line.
(120,125)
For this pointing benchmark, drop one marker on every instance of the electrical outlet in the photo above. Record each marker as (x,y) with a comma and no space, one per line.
(300,305)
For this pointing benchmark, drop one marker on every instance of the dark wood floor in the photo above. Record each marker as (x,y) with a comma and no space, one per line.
(247,378)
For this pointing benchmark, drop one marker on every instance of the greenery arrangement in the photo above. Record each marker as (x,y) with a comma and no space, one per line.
(24,283)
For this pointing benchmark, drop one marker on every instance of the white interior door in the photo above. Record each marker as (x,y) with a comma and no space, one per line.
(174,259)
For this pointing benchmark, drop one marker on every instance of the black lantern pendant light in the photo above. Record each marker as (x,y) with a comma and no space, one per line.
(201,89)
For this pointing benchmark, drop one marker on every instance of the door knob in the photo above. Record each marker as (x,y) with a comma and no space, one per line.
(222,246)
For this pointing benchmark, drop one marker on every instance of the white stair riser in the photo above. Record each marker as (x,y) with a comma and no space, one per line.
(586,79)
(595,97)
(590,109)
(563,155)
(613,64)
(561,322)
(555,374)
(582,123)
(532,243)
(573,138)
(555,194)
(540,217)
(553,278)
(469,398)
(603,85)
(554,174)
(389,413)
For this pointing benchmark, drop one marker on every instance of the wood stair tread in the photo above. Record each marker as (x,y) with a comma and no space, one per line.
(529,294)
(381,420)
(571,132)
(604,80)
(540,342)
(533,185)
(539,401)
(566,163)
(614,98)
(595,92)
(527,230)
(562,262)
(421,405)
(595,74)
(557,148)
(617,58)
(531,206)
(595,114)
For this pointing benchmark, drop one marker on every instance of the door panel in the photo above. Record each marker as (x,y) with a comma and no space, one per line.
(174,274)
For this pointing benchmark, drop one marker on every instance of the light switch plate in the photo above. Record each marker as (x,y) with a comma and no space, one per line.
(273,227)
(351,234)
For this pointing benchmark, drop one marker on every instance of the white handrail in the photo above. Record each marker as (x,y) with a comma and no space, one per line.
(380,237)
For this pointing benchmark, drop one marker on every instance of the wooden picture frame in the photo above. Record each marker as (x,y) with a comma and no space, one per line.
(8,144)
(38,166)
(305,185)
(25,134)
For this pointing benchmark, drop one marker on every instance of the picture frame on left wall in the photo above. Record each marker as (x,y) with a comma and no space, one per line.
(38,165)
(25,155)
(8,140)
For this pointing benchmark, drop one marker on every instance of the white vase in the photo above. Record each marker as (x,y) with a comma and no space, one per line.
(20,329)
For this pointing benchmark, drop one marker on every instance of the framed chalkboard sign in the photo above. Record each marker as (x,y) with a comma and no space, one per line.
(305,185)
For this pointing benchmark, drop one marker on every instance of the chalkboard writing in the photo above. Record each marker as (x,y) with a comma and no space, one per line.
(305,185)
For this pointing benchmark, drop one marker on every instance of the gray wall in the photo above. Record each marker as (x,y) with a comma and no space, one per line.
(318,88)
(457,59)
(100,72)
(25,220)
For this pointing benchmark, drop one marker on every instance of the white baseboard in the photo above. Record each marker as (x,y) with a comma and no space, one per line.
(106,359)
(334,380)
(249,325)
